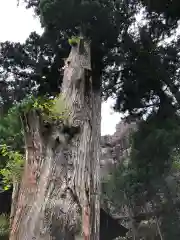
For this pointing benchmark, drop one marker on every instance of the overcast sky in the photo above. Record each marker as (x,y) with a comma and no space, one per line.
(16,23)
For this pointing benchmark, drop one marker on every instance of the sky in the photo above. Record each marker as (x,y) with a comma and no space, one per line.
(16,23)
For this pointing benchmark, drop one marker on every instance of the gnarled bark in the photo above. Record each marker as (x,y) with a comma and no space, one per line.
(59,193)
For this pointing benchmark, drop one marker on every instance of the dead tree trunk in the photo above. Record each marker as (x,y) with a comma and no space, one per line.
(59,193)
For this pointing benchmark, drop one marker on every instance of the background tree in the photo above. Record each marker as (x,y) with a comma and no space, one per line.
(146,184)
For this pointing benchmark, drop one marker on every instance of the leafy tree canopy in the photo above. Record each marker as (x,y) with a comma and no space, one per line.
(136,68)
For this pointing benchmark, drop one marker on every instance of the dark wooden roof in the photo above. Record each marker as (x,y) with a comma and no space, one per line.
(110,227)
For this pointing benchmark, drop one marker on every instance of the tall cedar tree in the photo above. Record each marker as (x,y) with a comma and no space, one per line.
(133,66)
(38,66)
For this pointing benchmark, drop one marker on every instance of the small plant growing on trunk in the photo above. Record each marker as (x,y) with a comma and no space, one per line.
(74,41)
(50,109)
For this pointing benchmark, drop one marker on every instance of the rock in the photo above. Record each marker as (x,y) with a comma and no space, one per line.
(115,148)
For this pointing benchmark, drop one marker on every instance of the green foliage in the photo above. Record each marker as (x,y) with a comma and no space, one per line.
(59,109)
(35,66)
(50,109)
(152,172)
(176,166)
(11,134)
(4,225)
(11,131)
(97,20)
(146,66)
(136,68)
(153,145)
(168,8)
(73,41)
(123,183)
(12,161)
(142,73)
(14,167)
(151,158)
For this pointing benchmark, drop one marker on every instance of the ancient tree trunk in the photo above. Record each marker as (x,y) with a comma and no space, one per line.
(59,193)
